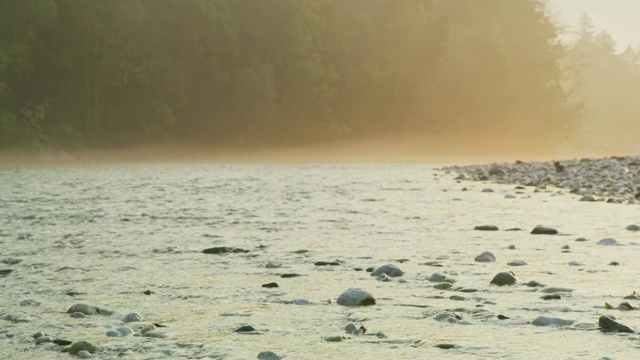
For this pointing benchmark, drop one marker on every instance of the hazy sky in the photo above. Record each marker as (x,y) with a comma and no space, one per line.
(620,18)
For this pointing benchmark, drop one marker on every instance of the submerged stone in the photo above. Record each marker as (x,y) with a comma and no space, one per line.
(224,250)
(356,297)
(608,324)
(551,321)
(543,230)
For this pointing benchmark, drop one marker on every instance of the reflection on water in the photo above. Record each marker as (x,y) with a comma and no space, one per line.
(112,232)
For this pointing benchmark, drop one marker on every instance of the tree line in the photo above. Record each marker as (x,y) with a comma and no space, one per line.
(102,73)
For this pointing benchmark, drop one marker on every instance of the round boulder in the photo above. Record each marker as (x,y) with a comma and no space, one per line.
(504,278)
(486,256)
(356,297)
(389,270)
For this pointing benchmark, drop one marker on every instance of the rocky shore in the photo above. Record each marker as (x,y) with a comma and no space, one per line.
(612,179)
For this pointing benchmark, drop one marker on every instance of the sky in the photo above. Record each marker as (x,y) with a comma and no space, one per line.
(620,18)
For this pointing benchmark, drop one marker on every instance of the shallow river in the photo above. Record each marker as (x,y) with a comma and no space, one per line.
(104,235)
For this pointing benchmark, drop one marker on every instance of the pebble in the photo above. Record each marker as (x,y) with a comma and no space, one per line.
(224,250)
(437,277)
(607,242)
(356,297)
(551,321)
(268,355)
(78,346)
(633,227)
(516,262)
(607,324)
(486,256)
(543,230)
(132,317)
(389,270)
(486,228)
(88,310)
(504,278)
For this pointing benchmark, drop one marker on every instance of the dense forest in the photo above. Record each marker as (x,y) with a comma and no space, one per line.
(77,74)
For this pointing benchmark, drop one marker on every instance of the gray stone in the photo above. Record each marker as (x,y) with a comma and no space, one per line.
(607,242)
(486,256)
(383,278)
(608,324)
(78,315)
(551,321)
(486,228)
(132,317)
(543,230)
(633,227)
(389,270)
(84,354)
(504,278)
(113,333)
(125,330)
(19,317)
(334,338)
(88,310)
(356,297)
(42,340)
(269,355)
(436,277)
(516,262)
(78,346)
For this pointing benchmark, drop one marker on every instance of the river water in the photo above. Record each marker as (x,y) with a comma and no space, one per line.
(103,235)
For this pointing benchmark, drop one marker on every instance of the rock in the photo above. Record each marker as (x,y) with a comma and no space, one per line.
(448,317)
(88,310)
(154,334)
(504,278)
(42,340)
(608,324)
(328,263)
(587,198)
(350,328)
(148,292)
(534,283)
(443,286)
(487,190)
(436,277)
(607,242)
(78,315)
(551,297)
(301,302)
(224,250)
(19,317)
(147,329)
(486,256)
(30,303)
(269,355)
(334,338)
(84,354)
(543,230)
(39,334)
(446,346)
(288,276)
(389,270)
(62,342)
(5,272)
(633,227)
(625,306)
(270,285)
(132,317)
(78,346)
(272,265)
(516,262)
(125,330)
(383,278)
(244,329)
(113,333)
(633,296)
(486,228)
(356,297)
(551,321)
(509,196)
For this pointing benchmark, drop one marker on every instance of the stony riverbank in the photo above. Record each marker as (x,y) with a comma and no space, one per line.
(611,179)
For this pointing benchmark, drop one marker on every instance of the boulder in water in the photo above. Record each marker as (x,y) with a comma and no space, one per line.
(356,297)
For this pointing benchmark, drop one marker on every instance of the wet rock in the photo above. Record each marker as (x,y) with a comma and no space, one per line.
(328,263)
(62,342)
(625,306)
(132,317)
(551,297)
(125,330)
(78,315)
(356,297)
(113,333)
(389,270)
(607,242)
(633,227)
(269,355)
(516,262)
(78,346)
(288,276)
(42,340)
(84,354)
(270,285)
(487,190)
(607,324)
(486,256)
(631,297)
(244,329)
(39,334)
(334,338)
(446,346)
(443,286)
(509,196)
(448,317)
(543,230)
(551,321)
(486,228)
(5,272)
(19,317)
(534,283)
(224,250)
(504,278)
(30,303)
(148,292)
(301,302)
(88,310)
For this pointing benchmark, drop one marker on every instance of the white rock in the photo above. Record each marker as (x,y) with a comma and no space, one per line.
(356,297)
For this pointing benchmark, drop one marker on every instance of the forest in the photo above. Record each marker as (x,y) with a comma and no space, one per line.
(77,74)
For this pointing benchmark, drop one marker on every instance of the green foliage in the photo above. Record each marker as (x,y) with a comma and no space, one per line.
(111,72)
